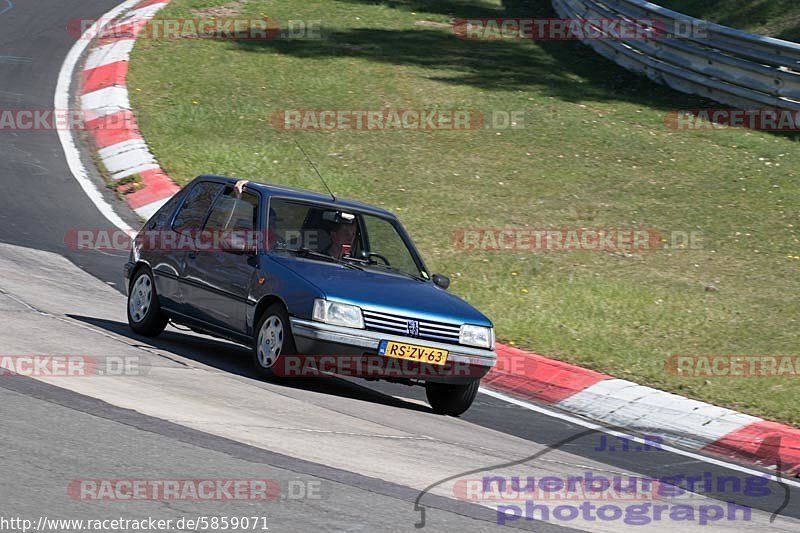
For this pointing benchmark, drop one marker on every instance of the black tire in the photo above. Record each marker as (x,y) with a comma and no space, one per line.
(451,400)
(267,363)
(144,311)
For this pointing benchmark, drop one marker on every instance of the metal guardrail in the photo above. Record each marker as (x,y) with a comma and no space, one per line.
(698,57)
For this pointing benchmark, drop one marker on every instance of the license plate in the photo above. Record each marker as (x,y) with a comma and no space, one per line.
(411,352)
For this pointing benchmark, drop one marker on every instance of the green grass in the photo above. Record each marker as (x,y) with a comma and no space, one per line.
(593,152)
(776,18)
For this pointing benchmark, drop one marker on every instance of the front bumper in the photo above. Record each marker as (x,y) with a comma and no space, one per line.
(324,339)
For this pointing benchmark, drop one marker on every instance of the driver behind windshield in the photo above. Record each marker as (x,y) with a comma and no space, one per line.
(342,235)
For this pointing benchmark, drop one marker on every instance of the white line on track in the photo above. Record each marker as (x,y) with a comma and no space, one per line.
(61,101)
(591,425)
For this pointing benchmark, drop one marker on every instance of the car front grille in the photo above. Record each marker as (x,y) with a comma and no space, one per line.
(398,325)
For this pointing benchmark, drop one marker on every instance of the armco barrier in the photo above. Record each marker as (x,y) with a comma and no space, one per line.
(698,57)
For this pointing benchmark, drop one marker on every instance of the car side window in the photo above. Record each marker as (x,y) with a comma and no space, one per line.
(287,223)
(162,217)
(194,210)
(233,214)
(385,240)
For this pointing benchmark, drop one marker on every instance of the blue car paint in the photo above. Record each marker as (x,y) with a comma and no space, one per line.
(385,292)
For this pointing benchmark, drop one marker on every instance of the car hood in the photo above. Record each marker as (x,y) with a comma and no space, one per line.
(385,292)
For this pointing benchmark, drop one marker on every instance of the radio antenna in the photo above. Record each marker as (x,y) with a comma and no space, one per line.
(310,162)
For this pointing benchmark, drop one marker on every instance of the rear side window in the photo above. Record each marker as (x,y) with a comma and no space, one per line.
(193,213)
(234,214)
(162,217)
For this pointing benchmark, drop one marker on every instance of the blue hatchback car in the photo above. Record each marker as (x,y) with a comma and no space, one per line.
(309,282)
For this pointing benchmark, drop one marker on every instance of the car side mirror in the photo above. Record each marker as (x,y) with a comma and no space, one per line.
(441,281)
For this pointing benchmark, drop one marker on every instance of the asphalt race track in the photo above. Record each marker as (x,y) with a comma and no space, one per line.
(41,199)
(343,455)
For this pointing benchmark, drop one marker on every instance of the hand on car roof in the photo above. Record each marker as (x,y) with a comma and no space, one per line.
(239,187)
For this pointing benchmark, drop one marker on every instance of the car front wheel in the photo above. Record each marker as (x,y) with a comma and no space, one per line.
(451,400)
(273,340)
(144,312)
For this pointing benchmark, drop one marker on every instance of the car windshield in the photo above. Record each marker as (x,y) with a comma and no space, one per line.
(350,237)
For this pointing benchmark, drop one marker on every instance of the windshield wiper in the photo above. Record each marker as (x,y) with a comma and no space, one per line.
(306,252)
(398,271)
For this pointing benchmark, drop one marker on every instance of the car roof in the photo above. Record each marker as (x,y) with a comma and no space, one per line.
(303,195)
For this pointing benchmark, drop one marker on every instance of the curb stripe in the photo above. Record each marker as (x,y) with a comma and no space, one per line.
(118,50)
(113,74)
(104,138)
(113,129)
(150,209)
(644,439)
(765,443)
(67,138)
(135,170)
(126,157)
(105,102)
(128,29)
(156,186)
(121,148)
(538,378)
(680,421)
(111,123)
(650,411)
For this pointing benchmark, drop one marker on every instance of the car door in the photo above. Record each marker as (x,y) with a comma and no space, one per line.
(168,250)
(218,276)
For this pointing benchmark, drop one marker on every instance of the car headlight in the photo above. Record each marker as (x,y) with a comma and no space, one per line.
(480,336)
(338,314)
